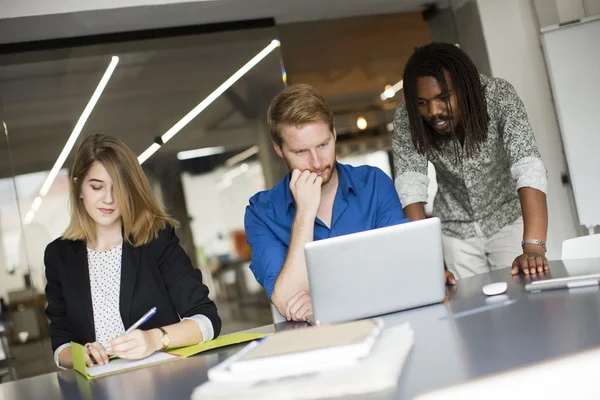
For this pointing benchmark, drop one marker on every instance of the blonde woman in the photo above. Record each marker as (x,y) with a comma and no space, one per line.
(118,258)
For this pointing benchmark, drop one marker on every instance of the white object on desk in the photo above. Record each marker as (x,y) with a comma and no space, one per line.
(494,289)
(570,377)
(300,351)
(378,372)
(564,283)
(120,364)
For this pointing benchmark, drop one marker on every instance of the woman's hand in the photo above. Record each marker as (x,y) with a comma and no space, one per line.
(136,344)
(95,354)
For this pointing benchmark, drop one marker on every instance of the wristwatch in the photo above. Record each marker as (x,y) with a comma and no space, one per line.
(166,339)
(535,241)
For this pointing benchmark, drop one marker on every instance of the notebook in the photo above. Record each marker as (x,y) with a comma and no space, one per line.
(301,351)
(118,365)
(376,373)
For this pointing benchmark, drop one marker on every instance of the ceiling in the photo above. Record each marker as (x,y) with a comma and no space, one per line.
(157,81)
(20,19)
(154,85)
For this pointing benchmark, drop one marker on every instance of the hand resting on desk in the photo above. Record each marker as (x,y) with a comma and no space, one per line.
(530,262)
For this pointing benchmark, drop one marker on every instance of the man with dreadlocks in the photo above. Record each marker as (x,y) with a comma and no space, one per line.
(491,179)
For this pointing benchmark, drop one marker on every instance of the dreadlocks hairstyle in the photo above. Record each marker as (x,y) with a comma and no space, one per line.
(433,60)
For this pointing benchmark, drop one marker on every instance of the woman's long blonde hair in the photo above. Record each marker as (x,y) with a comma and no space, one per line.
(141,215)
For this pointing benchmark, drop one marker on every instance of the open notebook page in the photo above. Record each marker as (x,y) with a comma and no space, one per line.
(120,364)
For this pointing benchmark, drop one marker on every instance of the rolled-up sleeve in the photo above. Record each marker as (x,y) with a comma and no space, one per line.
(526,166)
(411,167)
(205,325)
(268,253)
(530,172)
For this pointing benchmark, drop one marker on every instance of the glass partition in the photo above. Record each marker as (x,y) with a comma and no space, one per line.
(203,175)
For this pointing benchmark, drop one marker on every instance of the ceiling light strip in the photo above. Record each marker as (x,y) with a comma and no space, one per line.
(78,127)
(168,135)
(148,152)
(197,153)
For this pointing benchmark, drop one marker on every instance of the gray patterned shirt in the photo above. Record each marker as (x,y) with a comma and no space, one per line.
(481,189)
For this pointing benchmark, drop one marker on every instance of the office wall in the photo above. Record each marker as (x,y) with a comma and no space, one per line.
(552,12)
(221,210)
(460,23)
(513,43)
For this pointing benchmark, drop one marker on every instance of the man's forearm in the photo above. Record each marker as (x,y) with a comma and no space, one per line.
(535,215)
(414,212)
(293,276)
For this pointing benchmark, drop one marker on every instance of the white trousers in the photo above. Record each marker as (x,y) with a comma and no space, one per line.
(479,254)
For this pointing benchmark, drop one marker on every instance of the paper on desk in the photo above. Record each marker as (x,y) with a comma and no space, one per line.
(119,365)
(378,372)
(115,365)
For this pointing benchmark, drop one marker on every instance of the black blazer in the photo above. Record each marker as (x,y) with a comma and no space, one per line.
(156,274)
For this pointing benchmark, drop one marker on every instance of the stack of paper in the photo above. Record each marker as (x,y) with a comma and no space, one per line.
(377,372)
(300,351)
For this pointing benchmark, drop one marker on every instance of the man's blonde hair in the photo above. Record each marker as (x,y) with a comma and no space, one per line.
(141,215)
(297,105)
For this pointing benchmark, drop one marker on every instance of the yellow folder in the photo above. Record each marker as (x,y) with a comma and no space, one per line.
(117,365)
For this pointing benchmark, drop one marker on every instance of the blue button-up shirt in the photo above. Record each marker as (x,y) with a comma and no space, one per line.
(365,199)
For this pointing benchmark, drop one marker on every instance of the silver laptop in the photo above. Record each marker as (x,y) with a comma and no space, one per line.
(376,272)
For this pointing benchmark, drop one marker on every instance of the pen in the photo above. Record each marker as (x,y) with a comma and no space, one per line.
(142,320)
(139,322)
(552,285)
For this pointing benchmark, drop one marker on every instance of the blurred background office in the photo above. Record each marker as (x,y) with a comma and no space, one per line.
(187,85)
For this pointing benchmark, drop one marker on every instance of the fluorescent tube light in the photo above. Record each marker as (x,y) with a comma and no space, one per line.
(168,135)
(148,152)
(78,127)
(204,152)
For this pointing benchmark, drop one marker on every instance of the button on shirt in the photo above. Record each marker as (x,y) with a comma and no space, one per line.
(481,189)
(365,199)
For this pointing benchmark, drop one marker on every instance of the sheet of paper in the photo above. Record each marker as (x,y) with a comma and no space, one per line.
(119,364)
(378,372)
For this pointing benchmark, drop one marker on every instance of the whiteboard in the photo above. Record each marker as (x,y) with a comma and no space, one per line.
(572,55)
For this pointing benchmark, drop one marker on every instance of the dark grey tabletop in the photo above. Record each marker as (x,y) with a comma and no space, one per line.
(468,336)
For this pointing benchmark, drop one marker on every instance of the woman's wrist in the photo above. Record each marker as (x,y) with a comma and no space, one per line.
(156,336)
